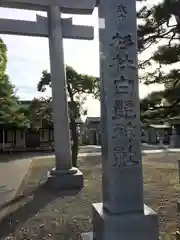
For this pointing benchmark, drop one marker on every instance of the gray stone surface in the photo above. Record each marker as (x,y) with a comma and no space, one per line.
(59,172)
(61,180)
(122,168)
(59,94)
(122,214)
(67,6)
(123,226)
(40,28)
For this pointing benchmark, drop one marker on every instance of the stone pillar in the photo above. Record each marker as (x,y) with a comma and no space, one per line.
(174,139)
(178,206)
(122,214)
(64,175)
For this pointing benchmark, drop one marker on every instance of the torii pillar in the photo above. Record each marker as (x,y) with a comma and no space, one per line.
(63,176)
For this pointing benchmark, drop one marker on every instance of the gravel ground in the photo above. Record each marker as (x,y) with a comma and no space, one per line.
(40,214)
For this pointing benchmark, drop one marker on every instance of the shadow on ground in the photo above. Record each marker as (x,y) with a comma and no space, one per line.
(35,201)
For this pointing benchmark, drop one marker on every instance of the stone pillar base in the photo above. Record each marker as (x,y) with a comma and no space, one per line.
(132,226)
(65,179)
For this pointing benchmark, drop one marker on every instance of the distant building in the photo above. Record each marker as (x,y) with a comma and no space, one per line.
(13,139)
(89,133)
(175,138)
(158,133)
(149,133)
(92,131)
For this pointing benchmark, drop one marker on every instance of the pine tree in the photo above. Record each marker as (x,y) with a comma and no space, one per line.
(159,37)
(78,86)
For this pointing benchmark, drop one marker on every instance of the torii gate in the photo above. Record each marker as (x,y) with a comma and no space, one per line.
(63,176)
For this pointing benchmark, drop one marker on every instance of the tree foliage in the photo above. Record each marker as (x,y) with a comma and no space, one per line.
(77,84)
(39,112)
(3,58)
(159,32)
(78,88)
(10,110)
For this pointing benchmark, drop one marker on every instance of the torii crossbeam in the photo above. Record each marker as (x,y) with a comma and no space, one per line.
(66,6)
(40,28)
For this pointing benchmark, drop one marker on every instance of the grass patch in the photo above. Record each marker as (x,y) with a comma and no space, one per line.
(47,215)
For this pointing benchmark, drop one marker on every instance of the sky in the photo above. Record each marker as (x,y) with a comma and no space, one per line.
(29,56)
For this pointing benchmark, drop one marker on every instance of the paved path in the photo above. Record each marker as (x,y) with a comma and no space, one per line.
(143,152)
(146,149)
(12,174)
(93,150)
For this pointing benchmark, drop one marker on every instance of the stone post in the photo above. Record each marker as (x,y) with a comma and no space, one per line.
(178,206)
(122,215)
(174,138)
(64,175)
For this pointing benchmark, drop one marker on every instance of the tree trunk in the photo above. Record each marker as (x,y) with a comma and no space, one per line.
(74,133)
(75,144)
